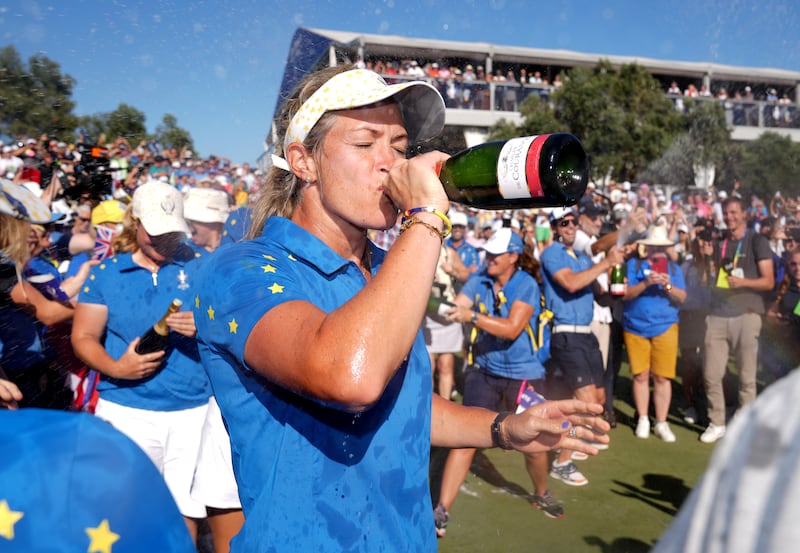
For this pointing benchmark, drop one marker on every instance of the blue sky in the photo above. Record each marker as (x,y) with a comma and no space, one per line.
(217,65)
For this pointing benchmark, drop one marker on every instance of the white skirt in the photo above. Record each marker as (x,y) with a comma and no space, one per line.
(214,484)
(443,338)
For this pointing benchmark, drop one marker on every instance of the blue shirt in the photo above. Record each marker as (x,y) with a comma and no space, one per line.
(568,308)
(134,304)
(499,356)
(312,477)
(467,252)
(651,313)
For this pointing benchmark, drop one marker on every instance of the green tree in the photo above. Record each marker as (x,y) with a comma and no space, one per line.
(36,98)
(128,122)
(170,135)
(770,163)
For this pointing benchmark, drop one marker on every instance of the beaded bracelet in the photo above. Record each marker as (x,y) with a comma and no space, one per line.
(448,226)
(408,223)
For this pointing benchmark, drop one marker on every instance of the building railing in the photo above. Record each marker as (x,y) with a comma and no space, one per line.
(504,96)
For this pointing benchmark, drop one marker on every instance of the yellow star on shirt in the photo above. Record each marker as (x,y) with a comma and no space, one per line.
(275,288)
(233,326)
(197,302)
(210,312)
(268,268)
(8,519)
(102,538)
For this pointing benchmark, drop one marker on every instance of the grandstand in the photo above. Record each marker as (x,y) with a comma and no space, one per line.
(754,99)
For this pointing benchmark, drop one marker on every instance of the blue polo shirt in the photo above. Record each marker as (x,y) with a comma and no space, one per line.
(499,356)
(467,252)
(651,313)
(134,305)
(311,476)
(567,308)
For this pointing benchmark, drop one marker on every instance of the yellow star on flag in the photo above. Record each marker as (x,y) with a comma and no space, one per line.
(268,257)
(275,288)
(210,312)
(233,325)
(8,519)
(293,258)
(268,268)
(102,538)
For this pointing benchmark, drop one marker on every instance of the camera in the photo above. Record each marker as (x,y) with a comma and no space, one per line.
(92,175)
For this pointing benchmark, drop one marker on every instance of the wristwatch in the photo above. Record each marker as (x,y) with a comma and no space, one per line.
(668,287)
(474,318)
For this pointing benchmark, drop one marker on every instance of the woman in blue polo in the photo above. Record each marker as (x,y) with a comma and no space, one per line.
(158,399)
(656,289)
(311,334)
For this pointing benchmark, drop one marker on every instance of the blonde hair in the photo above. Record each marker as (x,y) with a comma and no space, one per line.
(125,241)
(14,239)
(280,194)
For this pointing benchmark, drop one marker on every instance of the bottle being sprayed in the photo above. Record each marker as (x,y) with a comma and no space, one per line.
(535,171)
(156,337)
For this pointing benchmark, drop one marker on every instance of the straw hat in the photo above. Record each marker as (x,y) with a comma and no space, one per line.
(656,236)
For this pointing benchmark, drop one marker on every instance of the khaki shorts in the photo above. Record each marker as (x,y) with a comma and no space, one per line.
(659,354)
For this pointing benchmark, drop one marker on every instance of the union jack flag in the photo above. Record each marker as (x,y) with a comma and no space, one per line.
(102,244)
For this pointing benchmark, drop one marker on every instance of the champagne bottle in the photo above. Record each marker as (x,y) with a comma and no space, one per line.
(617,287)
(534,171)
(438,305)
(155,339)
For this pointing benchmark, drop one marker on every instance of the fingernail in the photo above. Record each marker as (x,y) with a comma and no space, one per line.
(565,425)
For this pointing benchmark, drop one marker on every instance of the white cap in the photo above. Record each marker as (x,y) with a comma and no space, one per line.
(206,205)
(159,207)
(502,241)
(458,218)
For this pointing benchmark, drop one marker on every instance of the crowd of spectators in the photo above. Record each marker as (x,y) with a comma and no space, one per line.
(469,86)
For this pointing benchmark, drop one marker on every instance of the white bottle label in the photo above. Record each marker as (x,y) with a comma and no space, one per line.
(518,168)
(617,290)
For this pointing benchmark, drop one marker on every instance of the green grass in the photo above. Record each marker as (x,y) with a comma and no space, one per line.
(635,489)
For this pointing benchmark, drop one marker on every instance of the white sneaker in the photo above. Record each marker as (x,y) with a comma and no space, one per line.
(712,433)
(690,415)
(663,431)
(643,428)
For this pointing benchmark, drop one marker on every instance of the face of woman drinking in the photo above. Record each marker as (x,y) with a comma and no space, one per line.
(357,153)
(161,248)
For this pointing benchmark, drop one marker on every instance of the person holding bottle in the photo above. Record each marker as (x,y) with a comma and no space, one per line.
(502,302)
(311,334)
(158,399)
(650,324)
(570,286)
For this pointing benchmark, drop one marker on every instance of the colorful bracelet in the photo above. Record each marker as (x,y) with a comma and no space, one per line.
(448,226)
(408,223)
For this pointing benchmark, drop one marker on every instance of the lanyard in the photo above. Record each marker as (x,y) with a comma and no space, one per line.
(738,249)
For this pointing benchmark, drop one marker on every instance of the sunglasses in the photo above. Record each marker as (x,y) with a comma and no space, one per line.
(567,222)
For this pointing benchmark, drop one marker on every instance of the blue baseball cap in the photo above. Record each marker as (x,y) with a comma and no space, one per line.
(504,240)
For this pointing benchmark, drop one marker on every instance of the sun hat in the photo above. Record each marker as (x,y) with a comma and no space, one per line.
(206,205)
(656,236)
(159,207)
(108,211)
(19,202)
(421,105)
(504,240)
